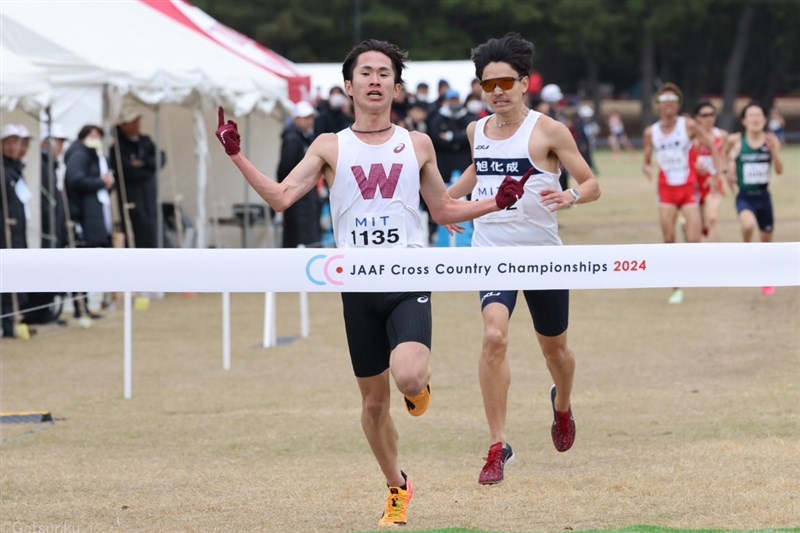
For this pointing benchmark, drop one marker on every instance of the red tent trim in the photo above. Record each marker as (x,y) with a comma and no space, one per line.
(239,44)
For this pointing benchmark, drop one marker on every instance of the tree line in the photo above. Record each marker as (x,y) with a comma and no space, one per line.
(595,48)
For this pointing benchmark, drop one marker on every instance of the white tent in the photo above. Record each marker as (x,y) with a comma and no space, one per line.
(100,55)
(22,83)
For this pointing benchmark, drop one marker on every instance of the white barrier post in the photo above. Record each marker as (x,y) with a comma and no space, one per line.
(304,325)
(270,336)
(226,331)
(128,357)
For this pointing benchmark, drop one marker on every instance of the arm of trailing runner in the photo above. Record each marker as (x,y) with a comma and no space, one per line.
(401,269)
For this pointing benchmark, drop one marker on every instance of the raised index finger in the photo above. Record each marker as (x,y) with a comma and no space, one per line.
(527,175)
(221,117)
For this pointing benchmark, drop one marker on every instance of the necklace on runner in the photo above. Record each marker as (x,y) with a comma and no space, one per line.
(510,122)
(387,128)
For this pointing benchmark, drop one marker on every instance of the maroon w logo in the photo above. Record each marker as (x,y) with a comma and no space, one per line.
(377,178)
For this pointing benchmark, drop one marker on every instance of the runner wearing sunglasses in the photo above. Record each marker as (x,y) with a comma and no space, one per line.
(709,177)
(518,141)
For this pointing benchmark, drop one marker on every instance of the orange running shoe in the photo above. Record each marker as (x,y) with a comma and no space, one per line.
(396,512)
(419,404)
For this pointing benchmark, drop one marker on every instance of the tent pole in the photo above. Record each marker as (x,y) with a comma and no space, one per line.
(51,181)
(159,211)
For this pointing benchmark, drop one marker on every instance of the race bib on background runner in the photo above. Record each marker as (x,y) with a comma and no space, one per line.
(755,173)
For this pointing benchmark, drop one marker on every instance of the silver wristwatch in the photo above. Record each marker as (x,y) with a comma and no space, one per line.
(576,193)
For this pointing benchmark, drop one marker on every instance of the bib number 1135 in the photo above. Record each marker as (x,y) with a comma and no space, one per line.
(375,237)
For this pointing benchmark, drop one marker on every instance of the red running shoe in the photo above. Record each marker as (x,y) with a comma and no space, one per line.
(563,430)
(496,460)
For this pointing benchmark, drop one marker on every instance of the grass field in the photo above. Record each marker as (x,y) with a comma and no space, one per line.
(688,416)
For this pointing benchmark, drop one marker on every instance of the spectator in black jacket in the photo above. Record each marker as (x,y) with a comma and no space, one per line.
(333,117)
(41,305)
(136,172)
(449,134)
(88,182)
(301,220)
(52,199)
(13,206)
(448,131)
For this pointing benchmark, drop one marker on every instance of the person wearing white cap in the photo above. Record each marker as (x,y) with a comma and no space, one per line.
(301,220)
(551,93)
(54,220)
(134,166)
(586,132)
(14,212)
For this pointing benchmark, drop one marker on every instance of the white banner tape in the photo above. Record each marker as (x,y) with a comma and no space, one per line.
(393,269)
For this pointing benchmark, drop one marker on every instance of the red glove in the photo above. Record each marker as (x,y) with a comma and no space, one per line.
(511,190)
(228,134)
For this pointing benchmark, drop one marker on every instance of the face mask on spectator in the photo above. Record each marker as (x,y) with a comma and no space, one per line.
(337,101)
(474,107)
(95,143)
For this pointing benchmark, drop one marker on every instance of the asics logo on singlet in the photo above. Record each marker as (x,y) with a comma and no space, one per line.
(399,148)
(422,299)
(482,147)
(323,270)
(489,295)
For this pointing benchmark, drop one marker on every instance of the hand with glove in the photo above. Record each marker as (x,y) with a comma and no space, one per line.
(228,134)
(511,190)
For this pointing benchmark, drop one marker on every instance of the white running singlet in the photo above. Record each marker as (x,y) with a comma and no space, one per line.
(375,194)
(672,153)
(528,222)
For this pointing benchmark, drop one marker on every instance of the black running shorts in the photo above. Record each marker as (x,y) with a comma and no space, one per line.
(376,322)
(549,308)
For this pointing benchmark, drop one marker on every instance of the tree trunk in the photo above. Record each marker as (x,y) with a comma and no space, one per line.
(593,81)
(733,69)
(648,73)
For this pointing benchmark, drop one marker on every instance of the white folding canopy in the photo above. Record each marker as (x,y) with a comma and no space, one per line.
(135,50)
(22,83)
(100,55)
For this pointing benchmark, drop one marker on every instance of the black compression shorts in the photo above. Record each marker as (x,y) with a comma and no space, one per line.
(376,322)
(549,308)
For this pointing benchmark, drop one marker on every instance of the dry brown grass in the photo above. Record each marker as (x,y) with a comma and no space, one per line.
(688,416)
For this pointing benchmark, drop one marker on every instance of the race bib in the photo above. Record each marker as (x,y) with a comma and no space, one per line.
(509,214)
(755,173)
(706,162)
(377,230)
(674,163)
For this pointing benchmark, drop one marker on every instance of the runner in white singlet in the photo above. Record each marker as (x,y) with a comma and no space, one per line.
(516,141)
(670,140)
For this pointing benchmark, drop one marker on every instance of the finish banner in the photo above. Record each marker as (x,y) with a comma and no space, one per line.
(401,269)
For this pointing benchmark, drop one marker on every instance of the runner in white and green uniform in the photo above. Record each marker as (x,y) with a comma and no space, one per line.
(751,156)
